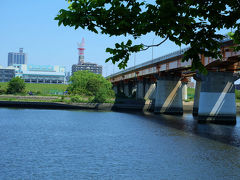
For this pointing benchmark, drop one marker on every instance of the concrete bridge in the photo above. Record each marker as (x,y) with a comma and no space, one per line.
(161,83)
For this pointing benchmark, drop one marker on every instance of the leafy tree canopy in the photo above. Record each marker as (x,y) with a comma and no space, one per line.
(189,22)
(90,84)
(16,85)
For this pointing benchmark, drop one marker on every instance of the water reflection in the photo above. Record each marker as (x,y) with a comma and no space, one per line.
(223,133)
(53,144)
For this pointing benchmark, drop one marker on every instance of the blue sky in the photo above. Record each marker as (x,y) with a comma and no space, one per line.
(30,24)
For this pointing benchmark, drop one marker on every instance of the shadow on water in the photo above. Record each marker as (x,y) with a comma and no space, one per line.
(187,123)
(227,134)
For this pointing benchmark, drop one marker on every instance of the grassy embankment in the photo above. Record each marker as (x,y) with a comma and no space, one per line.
(54,93)
(40,89)
(44,93)
(49,93)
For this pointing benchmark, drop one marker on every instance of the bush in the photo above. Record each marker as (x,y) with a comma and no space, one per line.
(16,85)
(76,99)
(237,94)
(85,83)
(2,91)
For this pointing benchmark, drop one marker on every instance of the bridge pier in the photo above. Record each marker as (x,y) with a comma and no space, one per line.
(126,89)
(150,93)
(169,96)
(134,89)
(120,89)
(184,91)
(196,97)
(115,88)
(140,89)
(217,98)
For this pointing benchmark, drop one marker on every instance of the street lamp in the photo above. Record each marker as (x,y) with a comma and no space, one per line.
(152,46)
(152,52)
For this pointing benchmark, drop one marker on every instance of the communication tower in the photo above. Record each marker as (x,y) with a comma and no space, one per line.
(81,52)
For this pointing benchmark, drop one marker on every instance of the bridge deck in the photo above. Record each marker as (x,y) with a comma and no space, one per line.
(173,62)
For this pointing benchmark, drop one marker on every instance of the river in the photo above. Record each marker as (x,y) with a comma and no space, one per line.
(67,144)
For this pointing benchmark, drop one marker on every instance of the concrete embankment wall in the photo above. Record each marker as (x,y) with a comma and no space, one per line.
(187,106)
(91,106)
(47,105)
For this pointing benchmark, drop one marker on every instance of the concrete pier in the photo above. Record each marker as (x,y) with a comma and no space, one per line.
(134,89)
(115,89)
(126,89)
(217,98)
(140,90)
(196,97)
(169,96)
(150,93)
(184,91)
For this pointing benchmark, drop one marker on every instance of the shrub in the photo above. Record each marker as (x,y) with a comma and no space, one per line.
(16,85)
(2,91)
(76,99)
(87,83)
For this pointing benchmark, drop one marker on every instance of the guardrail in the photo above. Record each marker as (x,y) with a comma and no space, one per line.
(157,60)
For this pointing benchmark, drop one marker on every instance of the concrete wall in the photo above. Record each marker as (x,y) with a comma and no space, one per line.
(169,96)
(217,98)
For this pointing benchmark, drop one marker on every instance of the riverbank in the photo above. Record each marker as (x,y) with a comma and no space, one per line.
(56,105)
(48,102)
(187,106)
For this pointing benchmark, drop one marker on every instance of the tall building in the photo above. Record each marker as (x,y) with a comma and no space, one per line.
(41,73)
(17,58)
(81,66)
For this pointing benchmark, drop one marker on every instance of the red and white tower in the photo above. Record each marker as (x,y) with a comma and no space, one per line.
(81,52)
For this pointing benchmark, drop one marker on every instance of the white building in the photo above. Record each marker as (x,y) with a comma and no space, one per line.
(41,73)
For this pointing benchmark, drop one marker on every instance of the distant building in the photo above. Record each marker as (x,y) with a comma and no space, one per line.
(87,66)
(41,73)
(17,58)
(68,75)
(191,85)
(81,66)
(237,86)
(6,74)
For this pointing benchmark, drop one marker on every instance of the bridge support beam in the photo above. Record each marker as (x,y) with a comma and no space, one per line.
(115,88)
(184,91)
(196,97)
(126,89)
(140,89)
(150,93)
(169,96)
(217,98)
(133,89)
(120,89)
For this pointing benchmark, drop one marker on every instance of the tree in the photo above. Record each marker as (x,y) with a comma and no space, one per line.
(188,22)
(90,84)
(16,85)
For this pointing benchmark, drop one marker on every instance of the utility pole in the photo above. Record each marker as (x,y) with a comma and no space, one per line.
(152,52)
(152,46)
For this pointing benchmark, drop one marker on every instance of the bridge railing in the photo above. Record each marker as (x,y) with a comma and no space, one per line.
(150,62)
(159,59)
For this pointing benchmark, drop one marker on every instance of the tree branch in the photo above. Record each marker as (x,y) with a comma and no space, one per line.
(154,45)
